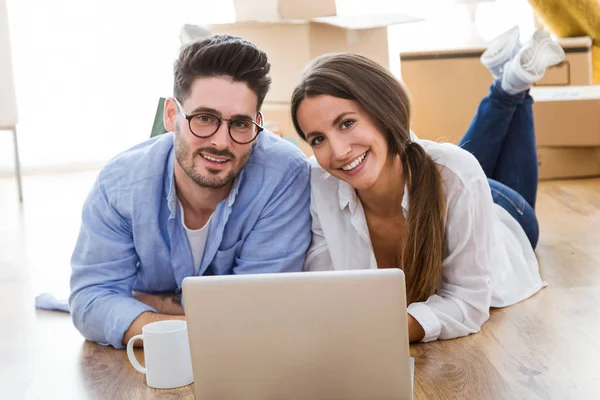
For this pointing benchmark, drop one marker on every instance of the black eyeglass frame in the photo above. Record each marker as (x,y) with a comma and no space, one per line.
(220,119)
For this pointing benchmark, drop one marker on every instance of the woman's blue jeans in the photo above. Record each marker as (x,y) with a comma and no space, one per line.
(501,137)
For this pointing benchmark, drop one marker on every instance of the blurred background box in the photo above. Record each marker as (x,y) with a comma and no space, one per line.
(274,10)
(568,162)
(447,86)
(278,119)
(567,115)
(291,45)
(189,33)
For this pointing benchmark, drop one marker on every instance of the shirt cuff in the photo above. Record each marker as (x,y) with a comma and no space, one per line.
(428,320)
(120,318)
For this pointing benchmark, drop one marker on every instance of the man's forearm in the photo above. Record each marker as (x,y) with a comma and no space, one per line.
(169,304)
(143,319)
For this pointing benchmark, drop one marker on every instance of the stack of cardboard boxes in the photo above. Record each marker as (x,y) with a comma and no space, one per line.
(447,85)
(294,32)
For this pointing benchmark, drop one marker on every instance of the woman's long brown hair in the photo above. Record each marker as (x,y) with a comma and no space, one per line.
(354,77)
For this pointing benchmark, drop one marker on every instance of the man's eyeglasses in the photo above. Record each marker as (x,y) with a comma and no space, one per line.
(203,125)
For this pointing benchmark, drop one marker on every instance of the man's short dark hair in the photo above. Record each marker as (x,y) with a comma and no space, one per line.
(226,56)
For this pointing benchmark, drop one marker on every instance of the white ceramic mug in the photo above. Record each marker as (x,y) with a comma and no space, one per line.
(166,354)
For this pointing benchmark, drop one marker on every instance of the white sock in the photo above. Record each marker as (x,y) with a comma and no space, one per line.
(500,50)
(530,63)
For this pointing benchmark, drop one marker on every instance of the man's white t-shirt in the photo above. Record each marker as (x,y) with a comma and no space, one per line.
(196,238)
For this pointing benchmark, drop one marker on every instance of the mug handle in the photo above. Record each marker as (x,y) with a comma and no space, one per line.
(131,354)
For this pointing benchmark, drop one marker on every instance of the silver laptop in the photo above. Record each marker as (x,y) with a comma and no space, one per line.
(299,336)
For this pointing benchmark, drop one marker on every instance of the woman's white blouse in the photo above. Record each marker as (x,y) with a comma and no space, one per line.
(488,260)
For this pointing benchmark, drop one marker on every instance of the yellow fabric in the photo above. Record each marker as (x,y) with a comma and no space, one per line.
(596,62)
(569,18)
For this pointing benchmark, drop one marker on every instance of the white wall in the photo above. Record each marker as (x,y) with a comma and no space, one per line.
(88,74)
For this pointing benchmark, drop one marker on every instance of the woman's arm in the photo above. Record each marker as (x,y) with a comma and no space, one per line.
(463,296)
(416,333)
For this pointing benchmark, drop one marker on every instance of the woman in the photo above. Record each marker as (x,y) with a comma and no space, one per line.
(458,221)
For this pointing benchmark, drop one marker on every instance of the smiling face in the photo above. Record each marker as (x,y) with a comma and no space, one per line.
(215,161)
(346,140)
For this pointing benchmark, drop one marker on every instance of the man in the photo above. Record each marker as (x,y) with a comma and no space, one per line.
(217,196)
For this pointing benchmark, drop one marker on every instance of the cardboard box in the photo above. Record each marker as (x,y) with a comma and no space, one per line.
(274,10)
(567,115)
(568,162)
(291,45)
(447,86)
(278,119)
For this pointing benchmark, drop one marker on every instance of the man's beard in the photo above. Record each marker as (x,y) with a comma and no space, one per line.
(212,181)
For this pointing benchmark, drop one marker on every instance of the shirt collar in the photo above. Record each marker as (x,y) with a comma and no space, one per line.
(347,195)
(170,182)
(405,200)
(235,188)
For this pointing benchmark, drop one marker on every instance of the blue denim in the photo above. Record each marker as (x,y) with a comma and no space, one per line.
(518,207)
(502,138)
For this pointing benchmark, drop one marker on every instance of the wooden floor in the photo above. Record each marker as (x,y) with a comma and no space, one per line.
(547,347)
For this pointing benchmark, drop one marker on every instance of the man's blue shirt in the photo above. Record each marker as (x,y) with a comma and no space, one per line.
(132,237)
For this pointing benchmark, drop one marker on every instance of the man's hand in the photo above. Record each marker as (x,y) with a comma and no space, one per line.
(144,319)
(169,304)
